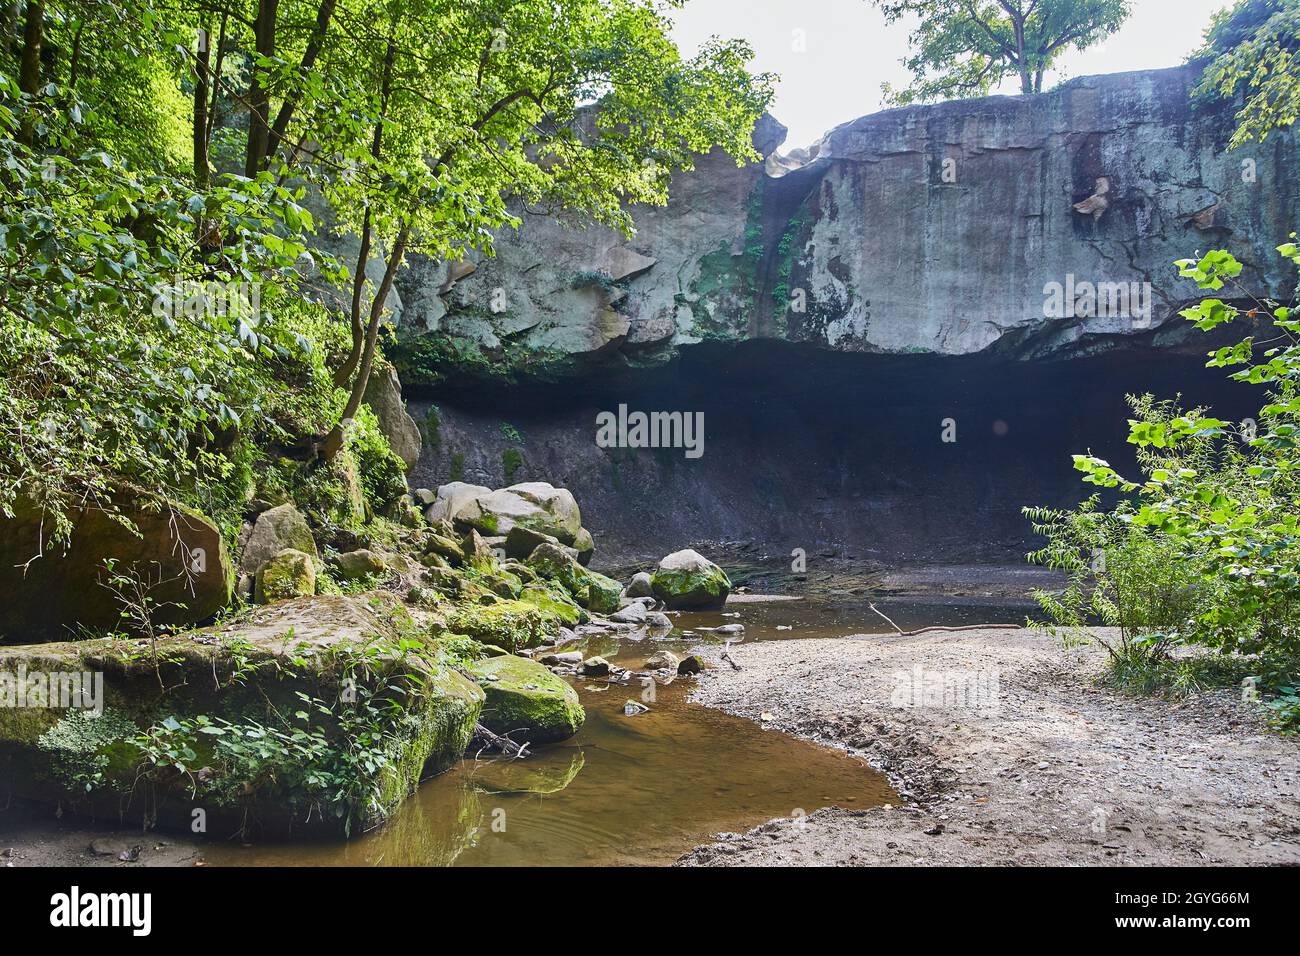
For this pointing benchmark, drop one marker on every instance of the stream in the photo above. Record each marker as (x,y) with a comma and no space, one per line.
(636,790)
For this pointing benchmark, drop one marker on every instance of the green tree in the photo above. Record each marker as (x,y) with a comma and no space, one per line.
(1250,54)
(964,48)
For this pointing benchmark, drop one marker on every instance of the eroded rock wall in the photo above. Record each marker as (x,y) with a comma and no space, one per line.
(933,229)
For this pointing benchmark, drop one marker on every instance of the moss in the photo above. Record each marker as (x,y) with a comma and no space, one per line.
(382,473)
(688,589)
(527,700)
(456,471)
(514,625)
(512,459)
(589,588)
(289,574)
(553,601)
(433,428)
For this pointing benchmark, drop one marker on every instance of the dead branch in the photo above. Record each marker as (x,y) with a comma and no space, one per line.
(487,740)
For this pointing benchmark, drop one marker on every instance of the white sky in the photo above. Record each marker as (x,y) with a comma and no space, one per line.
(850,51)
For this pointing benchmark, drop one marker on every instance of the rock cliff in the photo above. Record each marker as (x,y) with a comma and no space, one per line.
(1025,227)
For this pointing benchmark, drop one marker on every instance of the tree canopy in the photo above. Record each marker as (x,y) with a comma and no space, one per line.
(1250,53)
(964,48)
(160,159)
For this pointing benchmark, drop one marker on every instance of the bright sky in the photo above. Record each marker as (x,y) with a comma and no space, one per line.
(848,51)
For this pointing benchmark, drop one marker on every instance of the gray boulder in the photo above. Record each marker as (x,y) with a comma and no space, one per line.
(275,530)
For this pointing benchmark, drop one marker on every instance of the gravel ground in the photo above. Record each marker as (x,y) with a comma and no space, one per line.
(1042,768)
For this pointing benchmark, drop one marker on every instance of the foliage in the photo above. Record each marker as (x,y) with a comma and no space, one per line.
(1251,50)
(382,472)
(1215,510)
(330,756)
(422,126)
(1121,575)
(963,48)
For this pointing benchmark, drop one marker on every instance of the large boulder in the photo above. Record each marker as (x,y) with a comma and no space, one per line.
(450,498)
(686,580)
(238,680)
(527,701)
(589,588)
(275,530)
(513,625)
(290,574)
(45,590)
(534,505)
(384,396)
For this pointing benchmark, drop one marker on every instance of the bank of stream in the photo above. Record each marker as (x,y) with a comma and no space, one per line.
(637,789)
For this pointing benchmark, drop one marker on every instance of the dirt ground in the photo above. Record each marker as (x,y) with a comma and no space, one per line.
(1043,767)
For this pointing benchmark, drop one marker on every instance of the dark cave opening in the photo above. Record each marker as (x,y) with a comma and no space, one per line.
(805,448)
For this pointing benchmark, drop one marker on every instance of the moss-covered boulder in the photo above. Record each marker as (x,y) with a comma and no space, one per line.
(527,701)
(585,545)
(553,600)
(289,574)
(514,625)
(592,590)
(258,722)
(359,564)
(534,505)
(275,530)
(686,580)
(48,589)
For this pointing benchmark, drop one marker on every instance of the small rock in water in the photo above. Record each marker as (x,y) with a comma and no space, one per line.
(690,665)
(595,667)
(634,613)
(633,707)
(567,657)
(661,660)
(659,621)
(726,629)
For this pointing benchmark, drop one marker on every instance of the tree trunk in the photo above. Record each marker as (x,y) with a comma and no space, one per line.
(363,258)
(29,67)
(216,79)
(202,72)
(259,98)
(282,119)
(334,442)
(349,365)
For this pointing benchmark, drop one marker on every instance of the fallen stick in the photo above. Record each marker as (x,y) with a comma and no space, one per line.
(941,627)
(487,740)
(726,656)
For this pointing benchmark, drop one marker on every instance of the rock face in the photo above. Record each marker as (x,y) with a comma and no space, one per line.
(46,590)
(384,396)
(686,580)
(879,242)
(527,701)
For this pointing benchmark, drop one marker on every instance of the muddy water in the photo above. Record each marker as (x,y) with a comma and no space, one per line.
(634,790)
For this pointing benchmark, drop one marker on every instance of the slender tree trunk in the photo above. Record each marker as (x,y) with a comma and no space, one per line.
(29,67)
(344,372)
(216,79)
(363,257)
(202,72)
(283,118)
(259,98)
(74,66)
(334,442)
